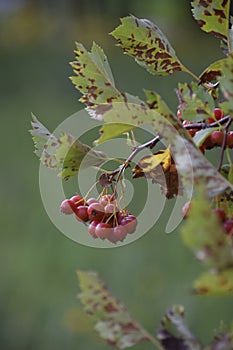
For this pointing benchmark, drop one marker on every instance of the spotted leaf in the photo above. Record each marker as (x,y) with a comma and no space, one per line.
(174,332)
(195,101)
(144,41)
(206,238)
(112,319)
(212,16)
(215,283)
(63,153)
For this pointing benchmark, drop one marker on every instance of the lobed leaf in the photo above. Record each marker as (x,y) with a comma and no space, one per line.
(195,101)
(174,333)
(113,321)
(93,76)
(212,16)
(204,234)
(217,283)
(63,153)
(143,40)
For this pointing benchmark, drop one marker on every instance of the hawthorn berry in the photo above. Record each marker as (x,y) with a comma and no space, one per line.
(228,226)
(218,113)
(130,222)
(96,212)
(220,214)
(106,199)
(230,139)
(120,232)
(67,207)
(92,227)
(92,200)
(217,137)
(78,200)
(81,213)
(103,230)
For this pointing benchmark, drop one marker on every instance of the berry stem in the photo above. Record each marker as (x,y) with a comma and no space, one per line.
(136,150)
(224,143)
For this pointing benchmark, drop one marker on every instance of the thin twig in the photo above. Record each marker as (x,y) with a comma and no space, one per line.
(224,144)
(136,150)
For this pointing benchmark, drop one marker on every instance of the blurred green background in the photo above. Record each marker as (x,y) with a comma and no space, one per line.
(39,309)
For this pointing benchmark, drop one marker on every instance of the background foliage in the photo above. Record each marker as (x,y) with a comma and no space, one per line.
(38,282)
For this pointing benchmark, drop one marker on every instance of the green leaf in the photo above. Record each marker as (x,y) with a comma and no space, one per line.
(212,16)
(204,234)
(216,283)
(154,101)
(174,333)
(93,76)
(226,84)
(111,130)
(41,136)
(63,153)
(196,103)
(144,41)
(113,321)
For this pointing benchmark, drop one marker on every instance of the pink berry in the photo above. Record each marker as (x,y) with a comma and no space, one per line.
(81,213)
(110,208)
(120,232)
(92,200)
(67,207)
(228,226)
(96,212)
(130,222)
(92,227)
(77,200)
(103,230)
(106,199)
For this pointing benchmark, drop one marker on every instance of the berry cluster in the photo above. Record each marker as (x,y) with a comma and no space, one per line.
(226,222)
(105,218)
(216,138)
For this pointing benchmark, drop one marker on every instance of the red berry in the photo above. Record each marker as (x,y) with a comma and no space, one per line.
(120,232)
(208,144)
(96,212)
(81,213)
(221,214)
(92,200)
(67,207)
(122,214)
(230,139)
(103,230)
(217,137)
(130,222)
(218,113)
(92,227)
(110,208)
(78,200)
(228,226)
(106,199)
